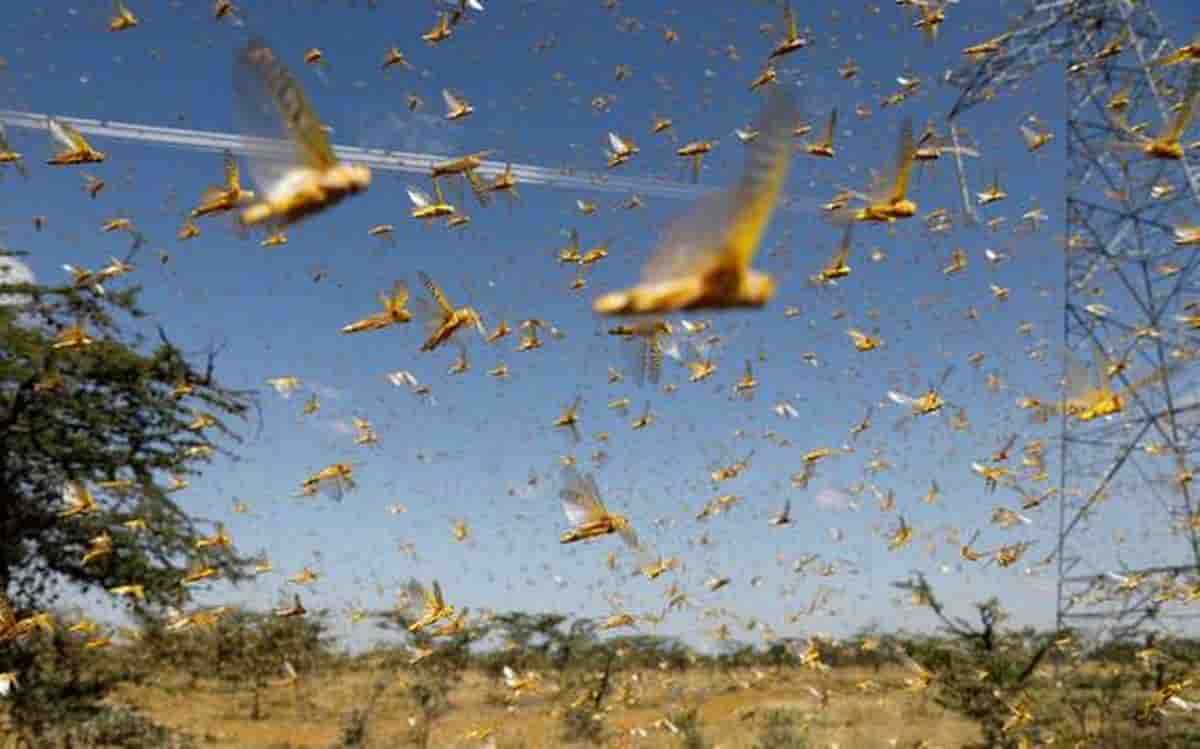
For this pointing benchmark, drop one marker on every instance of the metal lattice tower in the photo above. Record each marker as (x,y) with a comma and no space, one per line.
(1130,281)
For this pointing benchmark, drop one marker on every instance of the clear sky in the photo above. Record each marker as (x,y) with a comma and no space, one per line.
(470,454)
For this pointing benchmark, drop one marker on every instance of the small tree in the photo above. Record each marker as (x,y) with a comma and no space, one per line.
(780,731)
(97,426)
(249,649)
(979,674)
(433,676)
(531,640)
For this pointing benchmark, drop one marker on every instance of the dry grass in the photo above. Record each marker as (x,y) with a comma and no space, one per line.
(731,706)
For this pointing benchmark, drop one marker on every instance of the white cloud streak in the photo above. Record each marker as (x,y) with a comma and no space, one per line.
(376,158)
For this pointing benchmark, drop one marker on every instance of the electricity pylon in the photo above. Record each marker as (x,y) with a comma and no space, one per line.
(1128,550)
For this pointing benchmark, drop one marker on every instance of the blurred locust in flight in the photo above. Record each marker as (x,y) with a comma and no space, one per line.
(307,180)
(933,15)
(622,150)
(654,340)
(889,203)
(445,319)
(394,311)
(435,607)
(467,167)
(1188,53)
(929,403)
(1090,395)
(425,207)
(457,106)
(461,165)
(793,40)
(75,148)
(124,18)
(695,151)
(227,197)
(839,265)
(1035,138)
(992,194)
(225,9)
(704,261)
(1167,145)
(505,183)
(10,156)
(931,146)
(334,480)
(824,147)
(583,507)
(569,419)
(396,57)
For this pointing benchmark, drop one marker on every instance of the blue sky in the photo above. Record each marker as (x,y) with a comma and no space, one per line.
(461,457)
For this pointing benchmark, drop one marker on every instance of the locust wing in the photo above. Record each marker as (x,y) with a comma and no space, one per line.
(580,498)
(1032,138)
(453,102)
(645,359)
(436,292)
(275,111)
(397,300)
(419,197)
(724,229)
(1079,380)
(905,150)
(331,484)
(789,19)
(67,137)
(233,176)
(830,128)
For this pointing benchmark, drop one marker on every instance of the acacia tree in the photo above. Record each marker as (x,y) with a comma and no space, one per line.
(532,640)
(1010,663)
(87,401)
